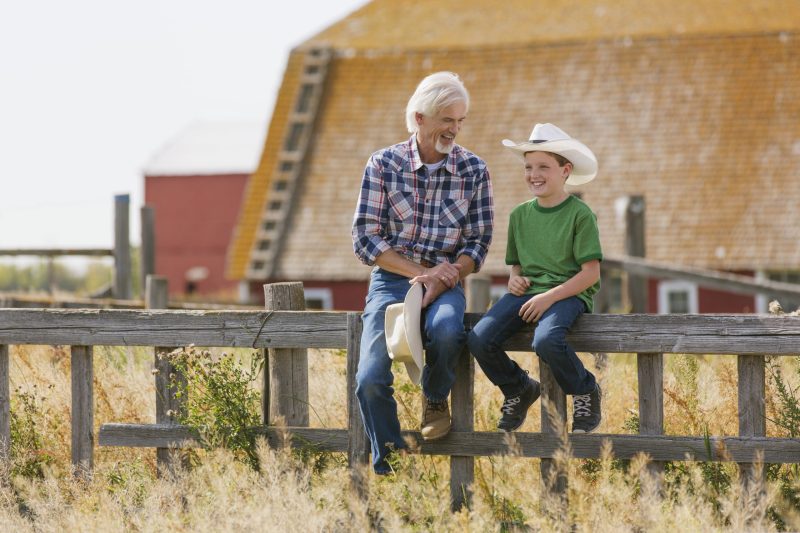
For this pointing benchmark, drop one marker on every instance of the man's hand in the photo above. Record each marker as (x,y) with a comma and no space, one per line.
(447,273)
(437,280)
(517,285)
(533,309)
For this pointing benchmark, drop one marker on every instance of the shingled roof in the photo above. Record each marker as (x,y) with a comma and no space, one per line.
(693,104)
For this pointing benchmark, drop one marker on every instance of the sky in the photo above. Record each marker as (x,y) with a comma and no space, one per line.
(91,90)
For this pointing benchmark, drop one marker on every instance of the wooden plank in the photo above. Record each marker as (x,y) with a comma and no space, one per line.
(688,334)
(51,252)
(752,405)
(288,367)
(554,423)
(5,403)
(358,445)
(118,327)
(168,406)
(122,247)
(712,279)
(82,409)
(635,247)
(462,468)
(650,367)
(148,243)
(476,444)
(700,334)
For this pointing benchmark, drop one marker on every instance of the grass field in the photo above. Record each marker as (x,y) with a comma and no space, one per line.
(310,491)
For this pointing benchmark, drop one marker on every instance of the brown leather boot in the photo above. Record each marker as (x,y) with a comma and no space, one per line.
(435,420)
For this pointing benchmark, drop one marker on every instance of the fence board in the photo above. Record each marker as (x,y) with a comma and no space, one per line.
(82,408)
(650,368)
(541,445)
(700,334)
(462,468)
(358,448)
(5,403)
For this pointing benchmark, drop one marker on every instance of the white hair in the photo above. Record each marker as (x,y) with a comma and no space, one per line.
(434,93)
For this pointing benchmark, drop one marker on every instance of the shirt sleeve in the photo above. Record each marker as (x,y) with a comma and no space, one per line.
(586,245)
(512,257)
(371,215)
(480,218)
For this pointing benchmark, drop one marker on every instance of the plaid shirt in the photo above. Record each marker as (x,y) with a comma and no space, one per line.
(424,218)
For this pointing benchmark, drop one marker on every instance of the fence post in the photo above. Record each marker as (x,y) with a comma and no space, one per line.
(651,399)
(148,239)
(635,247)
(122,247)
(168,405)
(462,468)
(752,407)
(553,397)
(286,383)
(357,446)
(5,404)
(82,410)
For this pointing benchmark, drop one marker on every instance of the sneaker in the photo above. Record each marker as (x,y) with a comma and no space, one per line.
(515,408)
(435,420)
(586,411)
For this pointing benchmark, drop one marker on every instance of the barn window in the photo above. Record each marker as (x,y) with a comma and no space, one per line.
(263,245)
(269,225)
(275,205)
(257,265)
(281,185)
(286,166)
(293,140)
(304,101)
(677,297)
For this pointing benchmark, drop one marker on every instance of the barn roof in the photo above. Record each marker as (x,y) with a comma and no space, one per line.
(693,104)
(205,148)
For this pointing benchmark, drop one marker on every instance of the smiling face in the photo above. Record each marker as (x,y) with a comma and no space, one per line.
(546,178)
(436,135)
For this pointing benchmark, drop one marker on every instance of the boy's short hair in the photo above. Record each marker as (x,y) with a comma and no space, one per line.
(558,157)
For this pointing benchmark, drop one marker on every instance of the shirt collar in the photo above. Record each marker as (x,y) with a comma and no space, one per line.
(414,159)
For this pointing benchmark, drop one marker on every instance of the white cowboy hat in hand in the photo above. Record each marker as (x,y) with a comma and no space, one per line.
(404,333)
(550,138)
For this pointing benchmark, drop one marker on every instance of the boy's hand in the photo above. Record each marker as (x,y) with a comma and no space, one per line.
(517,285)
(533,309)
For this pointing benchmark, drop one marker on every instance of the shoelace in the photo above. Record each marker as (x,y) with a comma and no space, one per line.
(581,405)
(508,405)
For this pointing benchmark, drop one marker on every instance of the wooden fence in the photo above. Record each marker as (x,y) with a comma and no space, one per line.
(286,334)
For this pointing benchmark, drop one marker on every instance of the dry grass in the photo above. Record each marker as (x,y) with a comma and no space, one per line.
(222,494)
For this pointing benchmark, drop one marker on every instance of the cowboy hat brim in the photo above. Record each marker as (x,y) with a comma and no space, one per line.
(404,333)
(584,162)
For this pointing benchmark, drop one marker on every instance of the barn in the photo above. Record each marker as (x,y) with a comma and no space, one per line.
(692,106)
(195,185)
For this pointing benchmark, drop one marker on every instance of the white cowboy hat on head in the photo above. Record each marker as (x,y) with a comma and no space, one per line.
(550,138)
(404,333)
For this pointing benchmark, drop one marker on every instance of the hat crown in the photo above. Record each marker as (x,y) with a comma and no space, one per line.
(548,132)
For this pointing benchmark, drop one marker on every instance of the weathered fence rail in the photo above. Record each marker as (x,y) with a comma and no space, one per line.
(751,337)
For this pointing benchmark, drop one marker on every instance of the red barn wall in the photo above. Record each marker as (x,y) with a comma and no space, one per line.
(194,220)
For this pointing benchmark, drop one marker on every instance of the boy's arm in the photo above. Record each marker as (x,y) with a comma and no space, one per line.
(533,309)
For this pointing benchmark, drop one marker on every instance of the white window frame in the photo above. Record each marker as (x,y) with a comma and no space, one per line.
(322,294)
(667,286)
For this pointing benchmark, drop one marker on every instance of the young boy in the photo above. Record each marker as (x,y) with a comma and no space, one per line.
(554,253)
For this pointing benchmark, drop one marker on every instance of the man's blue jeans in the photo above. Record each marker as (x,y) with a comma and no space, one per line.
(443,337)
(502,321)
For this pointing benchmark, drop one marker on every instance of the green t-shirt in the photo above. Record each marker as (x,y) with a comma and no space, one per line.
(551,244)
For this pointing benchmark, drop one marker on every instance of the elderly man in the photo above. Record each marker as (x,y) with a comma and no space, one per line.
(424,215)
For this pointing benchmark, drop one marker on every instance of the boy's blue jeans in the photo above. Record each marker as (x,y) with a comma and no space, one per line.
(502,321)
(443,337)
